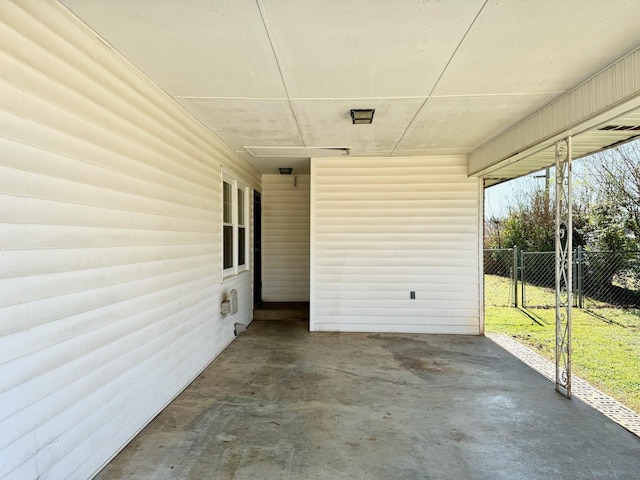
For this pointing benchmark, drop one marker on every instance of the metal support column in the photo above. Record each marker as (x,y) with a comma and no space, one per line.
(564,266)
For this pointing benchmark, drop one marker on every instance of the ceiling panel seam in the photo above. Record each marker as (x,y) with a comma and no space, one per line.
(309,99)
(435,85)
(510,94)
(269,99)
(263,15)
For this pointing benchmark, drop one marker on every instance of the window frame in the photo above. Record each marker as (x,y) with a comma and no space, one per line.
(242,213)
(238,189)
(227,223)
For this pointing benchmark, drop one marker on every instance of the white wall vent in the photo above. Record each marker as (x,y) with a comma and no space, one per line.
(620,127)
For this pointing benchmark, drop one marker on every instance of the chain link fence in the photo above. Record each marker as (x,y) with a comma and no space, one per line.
(606,284)
(611,286)
(538,269)
(500,266)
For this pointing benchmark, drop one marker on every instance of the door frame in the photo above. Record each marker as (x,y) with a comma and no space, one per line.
(257,247)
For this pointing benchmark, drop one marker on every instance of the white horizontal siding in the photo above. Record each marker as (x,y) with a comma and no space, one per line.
(285,238)
(110,247)
(380,232)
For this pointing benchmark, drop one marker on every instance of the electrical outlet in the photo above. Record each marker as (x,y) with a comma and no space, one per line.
(412,295)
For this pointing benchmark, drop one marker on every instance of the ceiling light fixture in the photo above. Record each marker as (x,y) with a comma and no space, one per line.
(285,171)
(362,116)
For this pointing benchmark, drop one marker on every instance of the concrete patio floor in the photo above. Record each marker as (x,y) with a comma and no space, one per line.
(283,403)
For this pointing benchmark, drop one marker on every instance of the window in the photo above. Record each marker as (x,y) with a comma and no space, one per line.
(242,229)
(227,226)
(234,226)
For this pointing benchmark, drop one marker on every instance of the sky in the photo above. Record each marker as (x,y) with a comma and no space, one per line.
(498,198)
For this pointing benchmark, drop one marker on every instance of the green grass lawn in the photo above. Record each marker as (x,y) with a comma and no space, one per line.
(606,342)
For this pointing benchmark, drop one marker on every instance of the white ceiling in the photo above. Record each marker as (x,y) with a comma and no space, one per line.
(444,76)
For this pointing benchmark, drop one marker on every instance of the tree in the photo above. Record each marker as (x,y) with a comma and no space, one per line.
(614,210)
(531,226)
(613,224)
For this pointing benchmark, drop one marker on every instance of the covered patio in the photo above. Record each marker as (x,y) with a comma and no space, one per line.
(284,403)
(167,166)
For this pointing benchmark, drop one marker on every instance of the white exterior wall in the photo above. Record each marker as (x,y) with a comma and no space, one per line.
(285,238)
(110,247)
(382,227)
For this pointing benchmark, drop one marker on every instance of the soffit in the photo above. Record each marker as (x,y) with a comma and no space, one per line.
(617,131)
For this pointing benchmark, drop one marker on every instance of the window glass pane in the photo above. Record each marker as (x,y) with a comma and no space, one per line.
(226,209)
(240,207)
(227,260)
(241,246)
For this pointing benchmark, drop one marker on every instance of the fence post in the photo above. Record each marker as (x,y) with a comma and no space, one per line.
(515,276)
(574,276)
(580,278)
(523,273)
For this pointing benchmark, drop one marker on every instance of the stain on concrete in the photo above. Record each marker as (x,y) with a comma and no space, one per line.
(457,436)
(415,364)
(410,363)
